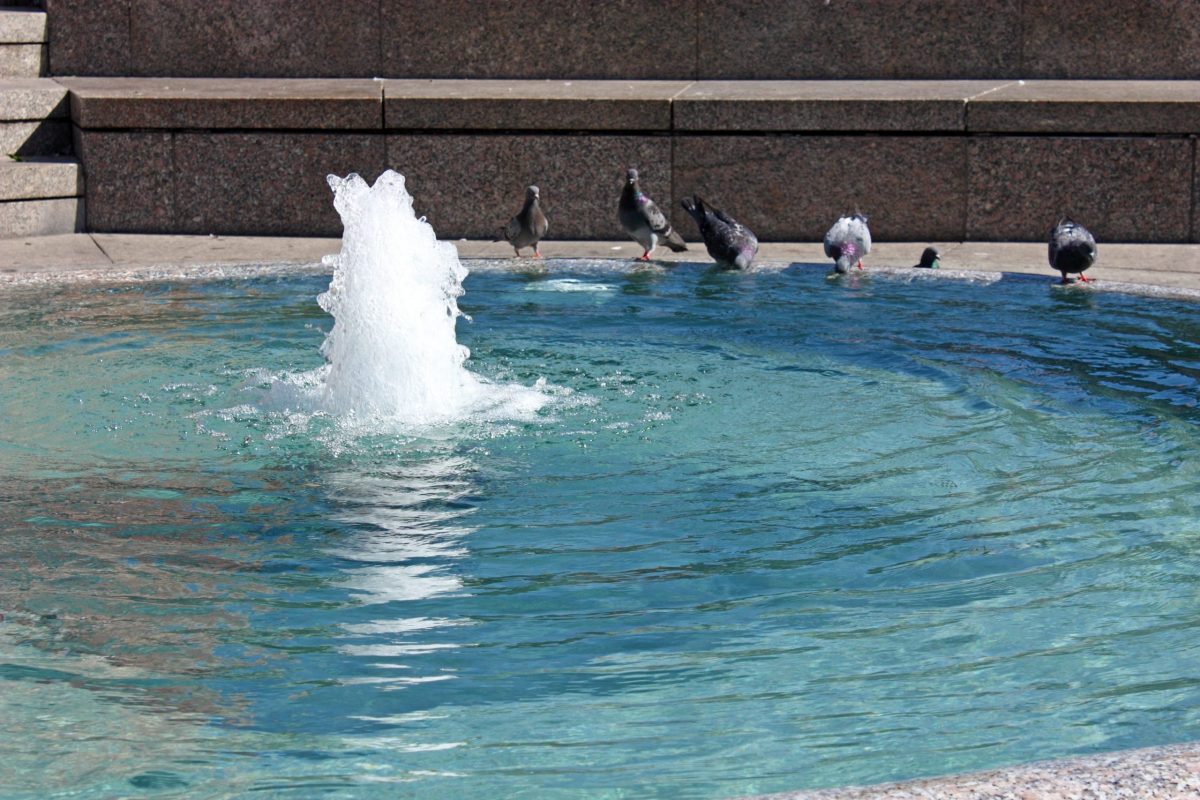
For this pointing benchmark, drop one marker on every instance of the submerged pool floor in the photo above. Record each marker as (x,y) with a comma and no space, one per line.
(769,531)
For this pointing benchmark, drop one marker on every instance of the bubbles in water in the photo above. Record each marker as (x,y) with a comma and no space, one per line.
(392,352)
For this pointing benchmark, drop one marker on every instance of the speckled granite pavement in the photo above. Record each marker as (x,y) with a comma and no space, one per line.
(1158,773)
(1163,773)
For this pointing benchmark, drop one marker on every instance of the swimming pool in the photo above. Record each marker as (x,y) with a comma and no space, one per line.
(766,531)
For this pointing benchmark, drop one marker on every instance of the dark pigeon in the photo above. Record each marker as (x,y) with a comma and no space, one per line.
(847,242)
(731,244)
(642,220)
(1072,249)
(528,227)
(929,259)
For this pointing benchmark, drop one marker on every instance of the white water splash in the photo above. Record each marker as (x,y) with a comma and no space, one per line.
(392,352)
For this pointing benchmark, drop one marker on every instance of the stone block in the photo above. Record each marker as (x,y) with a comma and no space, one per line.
(40,217)
(793,187)
(471,185)
(22,26)
(39,180)
(32,99)
(26,139)
(223,103)
(88,37)
(556,39)
(860,39)
(234,38)
(1055,106)
(529,104)
(1122,188)
(266,183)
(22,60)
(1083,39)
(130,186)
(911,106)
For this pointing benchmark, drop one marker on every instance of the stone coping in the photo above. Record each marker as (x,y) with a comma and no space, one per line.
(1166,269)
(939,106)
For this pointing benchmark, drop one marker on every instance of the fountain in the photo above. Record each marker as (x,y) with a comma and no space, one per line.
(844,531)
(392,352)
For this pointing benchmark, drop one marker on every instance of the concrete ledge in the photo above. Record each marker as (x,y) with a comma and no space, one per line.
(1147,107)
(917,106)
(529,105)
(217,103)
(885,106)
(1166,266)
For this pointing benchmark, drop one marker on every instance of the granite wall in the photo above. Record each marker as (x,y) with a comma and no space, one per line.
(628,39)
(927,160)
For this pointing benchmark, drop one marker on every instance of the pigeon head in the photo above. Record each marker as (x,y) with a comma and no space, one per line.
(532,193)
(846,257)
(929,258)
(631,176)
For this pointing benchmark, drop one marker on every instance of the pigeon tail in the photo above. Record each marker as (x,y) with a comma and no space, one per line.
(674,241)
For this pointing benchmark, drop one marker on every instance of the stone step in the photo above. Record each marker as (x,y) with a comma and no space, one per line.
(40,197)
(34,118)
(906,106)
(23,52)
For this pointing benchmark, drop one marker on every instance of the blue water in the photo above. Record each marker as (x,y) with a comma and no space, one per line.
(770,532)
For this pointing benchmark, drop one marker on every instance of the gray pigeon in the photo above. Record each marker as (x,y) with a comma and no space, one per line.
(1072,248)
(528,227)
(847,242)
(731,244)
(642,220)
(929,259)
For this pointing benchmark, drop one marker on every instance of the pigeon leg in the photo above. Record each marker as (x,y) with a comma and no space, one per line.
(536,253)
(860,263)
(1084,278)
(645,256)
(1064,280)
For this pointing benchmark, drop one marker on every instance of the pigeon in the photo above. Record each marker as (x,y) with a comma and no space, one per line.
(528,227)
(731,244)
(1072,248)
(642,220)
(929,259)
(847,242)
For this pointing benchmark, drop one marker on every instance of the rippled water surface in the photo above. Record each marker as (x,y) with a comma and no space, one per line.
(769,532)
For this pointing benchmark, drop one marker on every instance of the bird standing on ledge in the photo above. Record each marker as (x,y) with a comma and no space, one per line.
(642,220)
(731,244)
(1072,248)
(529,225)
(847,242)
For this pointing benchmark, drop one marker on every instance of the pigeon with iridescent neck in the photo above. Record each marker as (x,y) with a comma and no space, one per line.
(642,220)
(731,244)
(847,242)
(929,259)
(529,225)
(1072,248)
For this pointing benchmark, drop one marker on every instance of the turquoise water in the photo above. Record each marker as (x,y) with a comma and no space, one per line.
(769,532)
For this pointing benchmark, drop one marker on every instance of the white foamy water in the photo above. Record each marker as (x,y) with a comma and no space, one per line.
(392,352)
